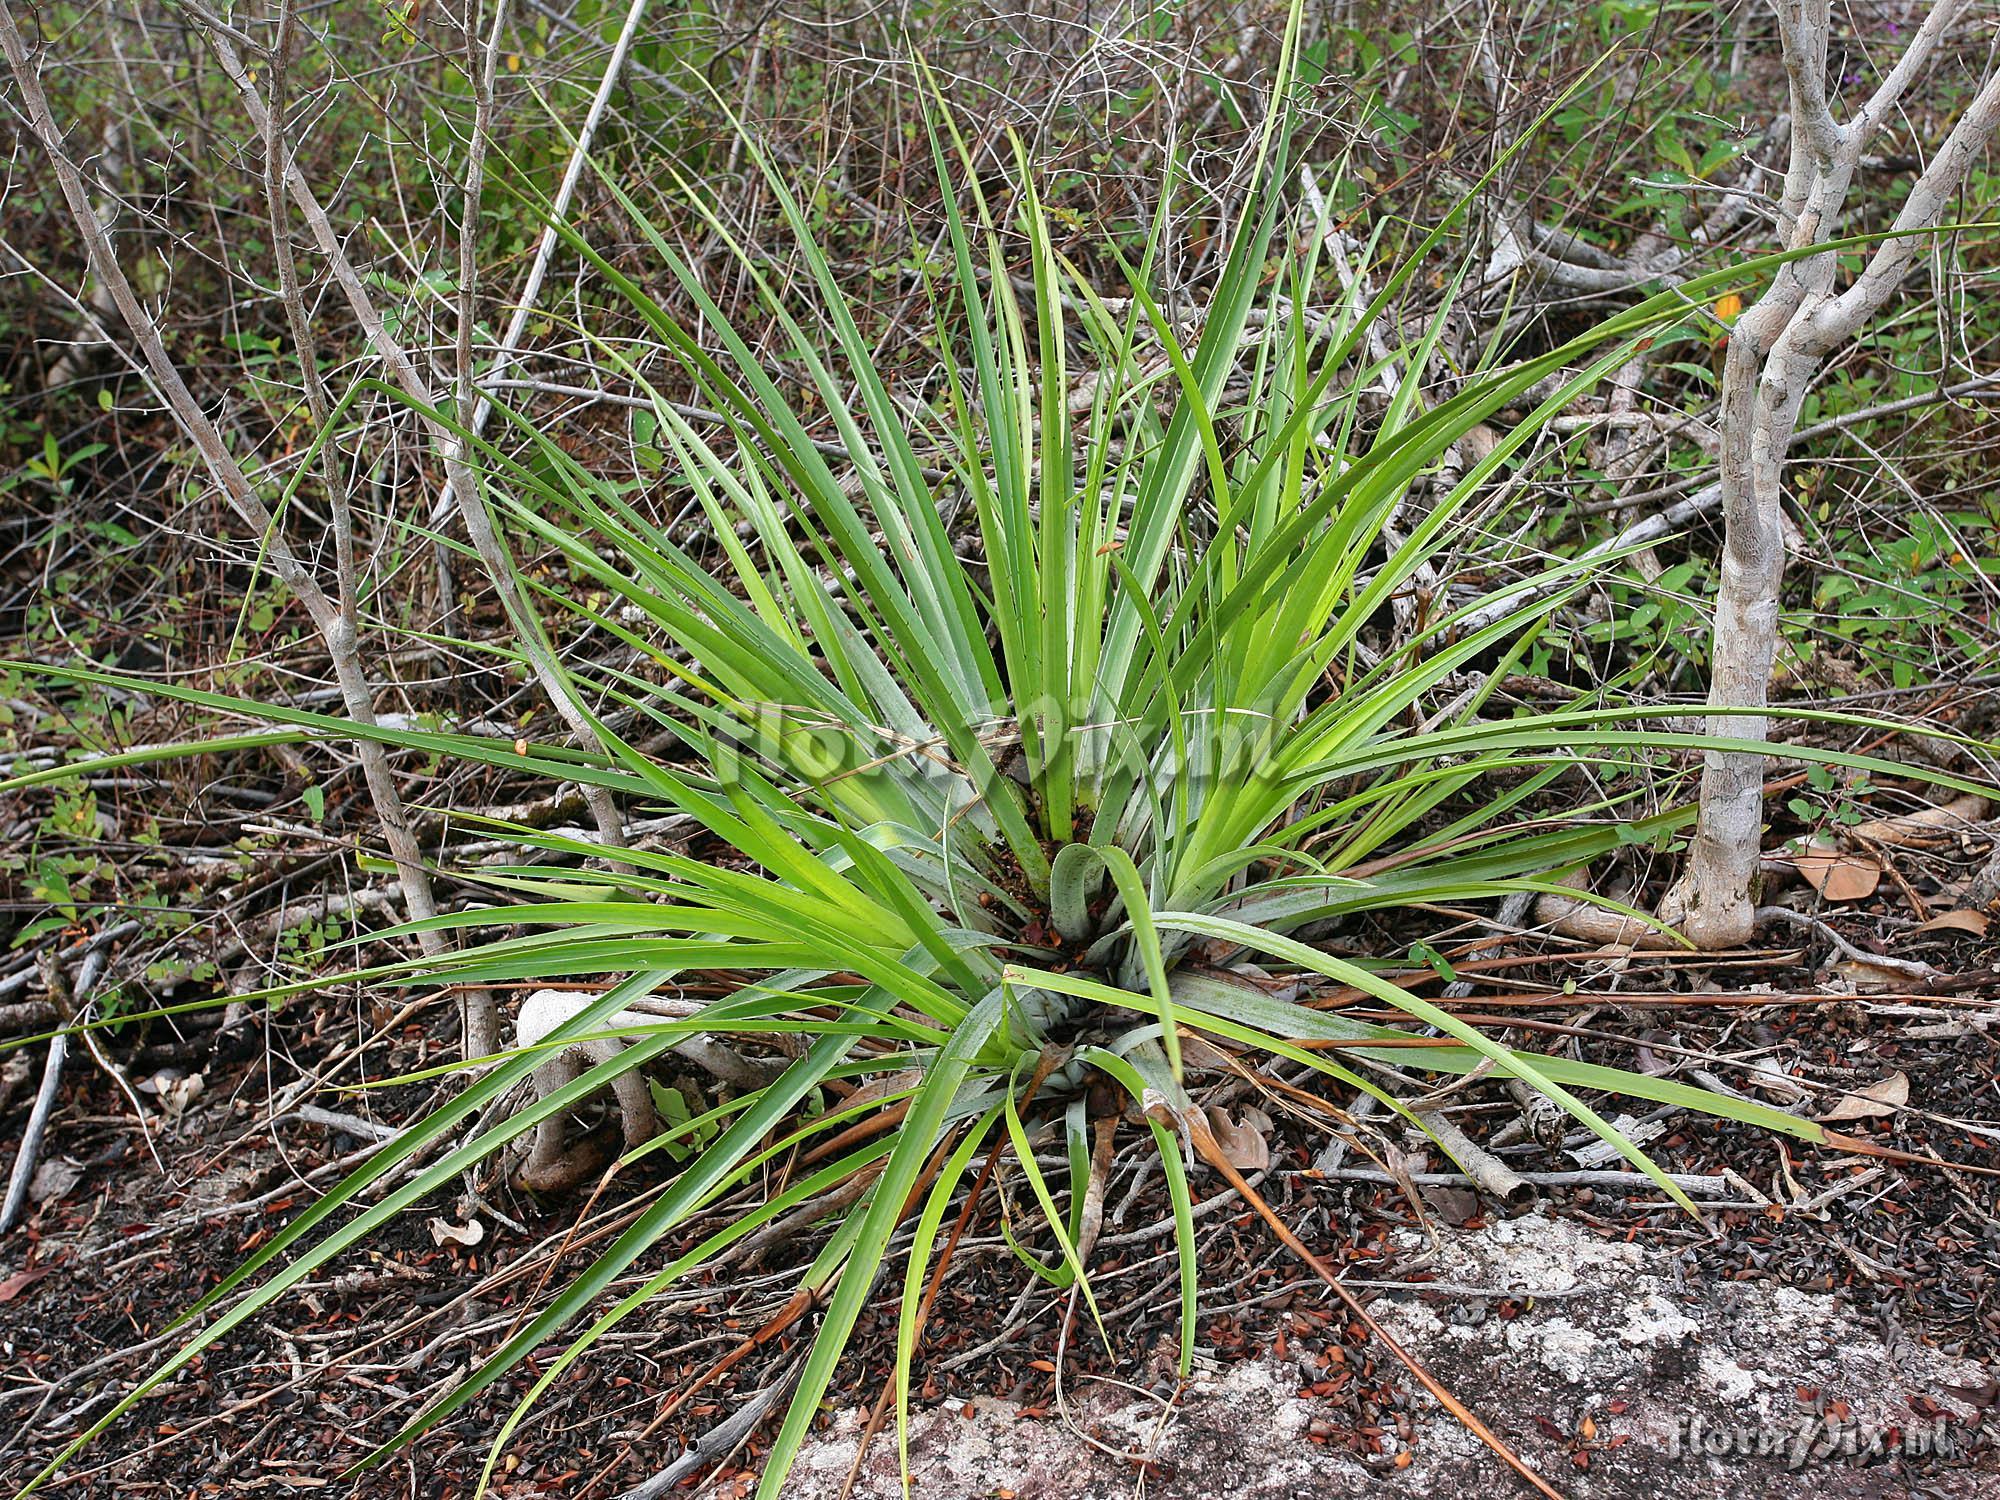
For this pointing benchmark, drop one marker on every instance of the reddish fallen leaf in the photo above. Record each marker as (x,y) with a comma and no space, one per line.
(20,1281)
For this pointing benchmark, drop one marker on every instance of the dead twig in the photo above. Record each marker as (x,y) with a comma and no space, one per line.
(64,998)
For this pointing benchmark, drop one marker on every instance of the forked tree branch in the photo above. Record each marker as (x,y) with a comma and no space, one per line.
(1836,321)
(1775,353)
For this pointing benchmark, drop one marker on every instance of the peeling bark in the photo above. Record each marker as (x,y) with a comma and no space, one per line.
(1776,351)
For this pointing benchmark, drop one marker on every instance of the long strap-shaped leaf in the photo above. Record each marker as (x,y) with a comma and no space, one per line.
(712,1169)
(891,1192)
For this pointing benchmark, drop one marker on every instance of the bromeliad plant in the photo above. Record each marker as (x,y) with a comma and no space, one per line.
(1028,731)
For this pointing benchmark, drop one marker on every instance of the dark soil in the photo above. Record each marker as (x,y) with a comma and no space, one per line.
(286,1403)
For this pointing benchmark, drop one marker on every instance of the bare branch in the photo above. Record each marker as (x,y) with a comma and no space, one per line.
(531,289)
(471,501)
(1802,28)
(1836,321)
(1895,83)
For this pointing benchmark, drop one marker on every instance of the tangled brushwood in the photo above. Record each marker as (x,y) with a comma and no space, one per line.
(1029,741)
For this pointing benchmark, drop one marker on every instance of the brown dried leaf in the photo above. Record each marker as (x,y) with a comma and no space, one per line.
(1243,1141)
(1871,979)
(1928,826)
(1455,1205)
(1838,876)
(1962,920)
(1880,1098)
